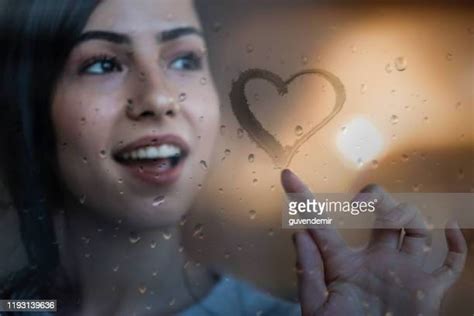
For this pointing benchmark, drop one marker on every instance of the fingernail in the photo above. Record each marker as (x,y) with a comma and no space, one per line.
(286,173)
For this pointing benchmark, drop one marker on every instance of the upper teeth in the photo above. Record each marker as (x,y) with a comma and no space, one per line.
(153,152)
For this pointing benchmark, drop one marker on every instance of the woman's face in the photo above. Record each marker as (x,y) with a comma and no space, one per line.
(136,113)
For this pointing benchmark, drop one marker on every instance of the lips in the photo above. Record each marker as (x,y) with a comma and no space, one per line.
(154,159)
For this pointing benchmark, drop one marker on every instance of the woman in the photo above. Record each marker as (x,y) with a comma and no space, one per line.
(115,116)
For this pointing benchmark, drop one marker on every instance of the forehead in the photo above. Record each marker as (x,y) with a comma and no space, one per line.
(142,16)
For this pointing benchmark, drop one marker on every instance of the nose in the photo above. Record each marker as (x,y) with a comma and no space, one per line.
(154,100)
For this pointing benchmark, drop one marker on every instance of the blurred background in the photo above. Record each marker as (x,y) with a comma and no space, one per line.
(407,124)
(408,72)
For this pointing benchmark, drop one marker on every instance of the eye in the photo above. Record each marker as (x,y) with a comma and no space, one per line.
(188,62)
(100,65)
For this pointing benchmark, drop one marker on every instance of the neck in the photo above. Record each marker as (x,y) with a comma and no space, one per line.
(117,270)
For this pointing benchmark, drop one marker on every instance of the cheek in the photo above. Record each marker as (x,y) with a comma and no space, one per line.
(77,126)
(206,114)
(81,128)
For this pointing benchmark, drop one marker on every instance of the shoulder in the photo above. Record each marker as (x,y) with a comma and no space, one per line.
(231,296)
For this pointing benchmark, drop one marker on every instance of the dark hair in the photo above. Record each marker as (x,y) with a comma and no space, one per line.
(36,38)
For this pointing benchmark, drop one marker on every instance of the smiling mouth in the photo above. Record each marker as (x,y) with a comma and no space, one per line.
(166,154)
(156,160)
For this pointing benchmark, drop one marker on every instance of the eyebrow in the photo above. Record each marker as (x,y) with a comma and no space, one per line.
(119,38)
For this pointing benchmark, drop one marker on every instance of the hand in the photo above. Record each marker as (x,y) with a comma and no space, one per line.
(385,277)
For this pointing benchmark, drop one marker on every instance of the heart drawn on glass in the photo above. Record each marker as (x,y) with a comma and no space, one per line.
(281,155)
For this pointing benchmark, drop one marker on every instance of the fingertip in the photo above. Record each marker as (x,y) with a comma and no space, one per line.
(286,175)
(291,183)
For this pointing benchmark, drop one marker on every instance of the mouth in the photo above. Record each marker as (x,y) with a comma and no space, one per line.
(156,160)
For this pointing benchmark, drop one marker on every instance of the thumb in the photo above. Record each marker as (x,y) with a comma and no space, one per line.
(312,289)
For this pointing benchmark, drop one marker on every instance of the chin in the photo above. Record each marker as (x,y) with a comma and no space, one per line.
(149,218)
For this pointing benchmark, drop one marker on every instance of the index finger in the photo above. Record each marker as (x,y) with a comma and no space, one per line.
(327,238)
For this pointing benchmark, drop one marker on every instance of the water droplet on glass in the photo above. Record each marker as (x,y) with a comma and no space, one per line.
(271,232)
(116,268)
(272,188)
(394,119)
(82,199)
(251,158)
(221,190)
(198,230)
(388,68)
(167,235)
(182,97)
(240,133)
(255,181)
(304,60)
(449,56)
(86,240)
(158,200)
(84,159)
(405,158)
(103,154)
(360,162)
(299,131)
(203,164)
(134,238)
(249,49)
(129,105)
(203,81)
(426,118)
(458,105)
(227,152)
(83,120)
(375,164)
(142,289)
(401,63)
(153,244)
(416,188)
(252,214)
(344,130)
(420,295)
(222,129)
(460,174)
(216,26)
(363,88)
